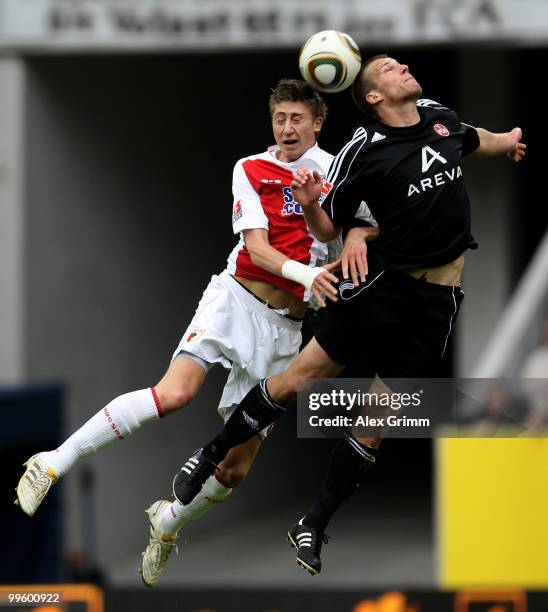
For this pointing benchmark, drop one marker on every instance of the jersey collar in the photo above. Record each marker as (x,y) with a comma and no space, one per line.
(273,149)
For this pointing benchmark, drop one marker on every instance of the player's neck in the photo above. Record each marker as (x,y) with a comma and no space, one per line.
(289,157)
(405,115)
(284,158)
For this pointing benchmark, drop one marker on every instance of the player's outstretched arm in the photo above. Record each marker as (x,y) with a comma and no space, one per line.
(504,143)
(306,187)
(354,254)
(317,280)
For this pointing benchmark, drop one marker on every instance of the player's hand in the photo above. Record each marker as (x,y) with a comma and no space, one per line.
(333,266)
(354,256)
(306,186)
(516,148)
(324,287)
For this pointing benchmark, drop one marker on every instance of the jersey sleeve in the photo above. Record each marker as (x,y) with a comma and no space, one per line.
(247,210)
(470,141)
(342,193)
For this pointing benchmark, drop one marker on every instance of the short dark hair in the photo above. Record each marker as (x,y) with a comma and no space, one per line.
(363,85)
(293,90)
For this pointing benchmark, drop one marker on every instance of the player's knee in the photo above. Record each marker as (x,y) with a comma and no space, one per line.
(232,474)
(288,387)
(174,398)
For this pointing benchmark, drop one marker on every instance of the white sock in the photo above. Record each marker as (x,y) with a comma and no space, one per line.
(119,419)
(177,515)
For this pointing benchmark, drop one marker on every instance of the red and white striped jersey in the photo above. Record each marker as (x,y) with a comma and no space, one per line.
(263,199)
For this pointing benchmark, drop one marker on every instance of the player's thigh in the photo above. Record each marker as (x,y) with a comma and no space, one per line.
(276,344)
(353,329)
(312,362)
(180,384)
(276,340)
(425,333)
(213,329)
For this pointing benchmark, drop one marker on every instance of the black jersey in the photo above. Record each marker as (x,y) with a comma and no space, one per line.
(410,180)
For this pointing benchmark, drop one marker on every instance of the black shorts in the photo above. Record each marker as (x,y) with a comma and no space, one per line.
(392,325)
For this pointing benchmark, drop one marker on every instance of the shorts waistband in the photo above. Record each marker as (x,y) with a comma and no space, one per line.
(448,274)
(287,316)
(425,285)
(256,304)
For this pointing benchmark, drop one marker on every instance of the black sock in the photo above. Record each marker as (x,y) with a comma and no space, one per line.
(349,460)
(255,412)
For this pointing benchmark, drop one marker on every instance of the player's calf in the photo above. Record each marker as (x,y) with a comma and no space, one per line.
(349,460)
(256,411)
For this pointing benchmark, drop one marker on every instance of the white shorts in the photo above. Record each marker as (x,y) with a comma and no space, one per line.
(235,329)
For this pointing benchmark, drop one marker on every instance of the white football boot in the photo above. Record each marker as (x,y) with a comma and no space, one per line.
(159,546)
(34,484)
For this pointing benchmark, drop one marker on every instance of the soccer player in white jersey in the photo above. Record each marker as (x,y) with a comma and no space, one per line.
(248,320)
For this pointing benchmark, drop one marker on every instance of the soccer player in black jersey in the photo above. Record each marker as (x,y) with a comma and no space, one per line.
(403,166)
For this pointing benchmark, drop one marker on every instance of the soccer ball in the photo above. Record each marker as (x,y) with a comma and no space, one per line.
(329,61)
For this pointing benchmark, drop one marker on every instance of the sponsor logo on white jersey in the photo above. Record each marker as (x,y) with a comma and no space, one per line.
(290,205)
(237,211)
(326,188)
(194,333)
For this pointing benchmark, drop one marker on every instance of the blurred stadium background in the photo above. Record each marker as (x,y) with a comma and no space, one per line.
(120,122)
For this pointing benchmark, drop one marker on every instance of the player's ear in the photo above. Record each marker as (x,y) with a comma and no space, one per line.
(317,125)
(373,97)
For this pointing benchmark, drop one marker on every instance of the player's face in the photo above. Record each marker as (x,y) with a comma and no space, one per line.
(294,128)
(393,81)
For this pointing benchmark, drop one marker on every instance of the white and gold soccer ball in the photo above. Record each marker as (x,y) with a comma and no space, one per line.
(329,61)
